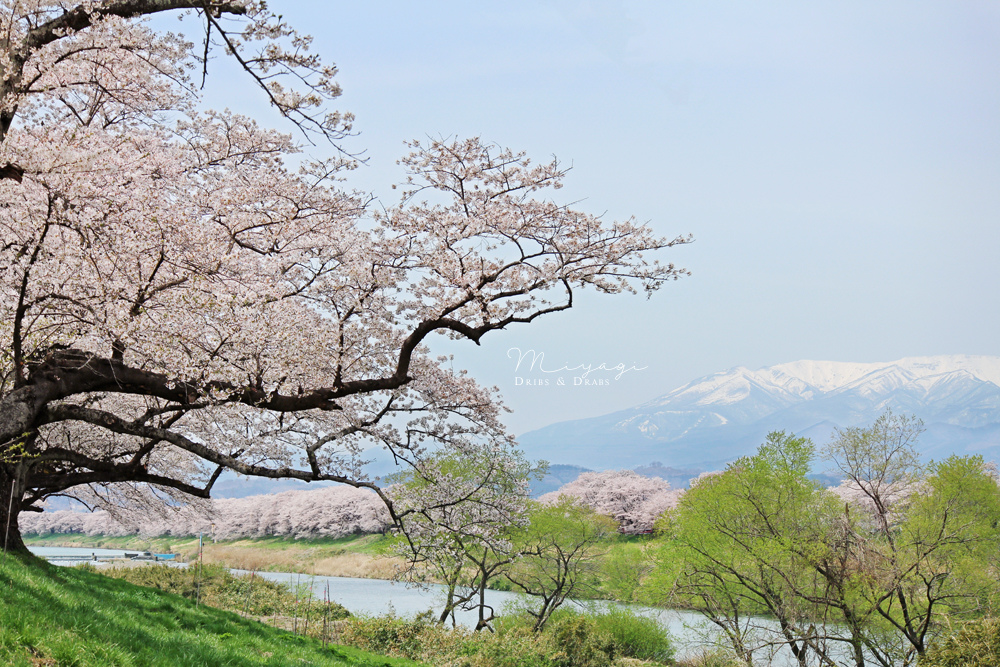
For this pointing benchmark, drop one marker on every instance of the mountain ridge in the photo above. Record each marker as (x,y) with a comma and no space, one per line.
(725,414)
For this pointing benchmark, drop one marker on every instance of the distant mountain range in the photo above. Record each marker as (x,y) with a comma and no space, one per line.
(722,416)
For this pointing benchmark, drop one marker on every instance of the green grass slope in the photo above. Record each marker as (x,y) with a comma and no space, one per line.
(53,615)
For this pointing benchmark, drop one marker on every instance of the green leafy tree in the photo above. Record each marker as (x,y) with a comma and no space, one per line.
(560,549)
(917,544)
(742,543)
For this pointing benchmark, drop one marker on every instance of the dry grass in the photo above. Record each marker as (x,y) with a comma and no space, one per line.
(354,556)
(305,559)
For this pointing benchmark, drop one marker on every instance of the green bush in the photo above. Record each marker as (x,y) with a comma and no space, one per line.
(976,644)
(580,642)
(713,658)
(635,636)
(570,639)
(216,586)
(514,647)
(391,635)
(437,644)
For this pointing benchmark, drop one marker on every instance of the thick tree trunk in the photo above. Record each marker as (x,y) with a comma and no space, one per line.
(10,507)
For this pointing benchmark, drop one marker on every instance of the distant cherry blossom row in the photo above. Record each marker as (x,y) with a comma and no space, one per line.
(631,499)
(327,512)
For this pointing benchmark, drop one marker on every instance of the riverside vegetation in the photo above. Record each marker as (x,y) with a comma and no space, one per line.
(158,615)
(898,566)
(360,556)
(55,616)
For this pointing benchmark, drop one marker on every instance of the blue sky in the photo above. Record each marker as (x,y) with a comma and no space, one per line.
(837,163)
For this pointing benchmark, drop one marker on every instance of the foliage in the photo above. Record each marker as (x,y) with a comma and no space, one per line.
(422,639)
(921,543)
(634,635)
(462,511)
(216,586)
(879,464)
(713,658)
(581,642)
(182,292)
(571,639)
(974,644)
(868,573)
(624,569)
(559,551)
(361,556)
(65,616)
(410,638)
(616,631)
(742,543)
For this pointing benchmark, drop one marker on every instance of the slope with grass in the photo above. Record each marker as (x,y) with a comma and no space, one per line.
(64,616)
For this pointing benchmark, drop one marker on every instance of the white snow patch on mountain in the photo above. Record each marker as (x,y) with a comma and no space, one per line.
(805,380)
(725,414)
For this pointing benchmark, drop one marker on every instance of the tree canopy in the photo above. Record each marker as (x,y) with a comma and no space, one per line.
(868,573)
(178,299)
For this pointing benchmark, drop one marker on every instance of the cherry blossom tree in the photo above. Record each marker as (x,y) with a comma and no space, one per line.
(464,509)
(335,511)
(177,300)
(633,500)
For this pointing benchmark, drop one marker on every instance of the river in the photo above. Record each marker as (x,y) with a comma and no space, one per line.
(377,596)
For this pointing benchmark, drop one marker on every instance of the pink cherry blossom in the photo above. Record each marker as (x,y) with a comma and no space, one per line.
(631,499)
(178,299)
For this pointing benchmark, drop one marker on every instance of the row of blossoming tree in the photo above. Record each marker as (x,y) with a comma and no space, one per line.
(633,501)
(336,511)
(184,292)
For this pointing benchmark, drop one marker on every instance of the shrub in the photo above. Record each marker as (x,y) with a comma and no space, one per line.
(515,647)
(391,635)
(713,658)
(216,586)
(635,636)
(976,644)
(580,642)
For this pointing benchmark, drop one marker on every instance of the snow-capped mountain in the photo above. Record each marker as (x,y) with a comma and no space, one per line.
(724,415)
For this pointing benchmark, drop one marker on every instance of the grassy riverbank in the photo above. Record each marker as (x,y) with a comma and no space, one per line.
(53,616)
(353,556)
(621,570)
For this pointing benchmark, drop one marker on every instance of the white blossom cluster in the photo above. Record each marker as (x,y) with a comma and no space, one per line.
(183,292)
(328,512)
(631,499)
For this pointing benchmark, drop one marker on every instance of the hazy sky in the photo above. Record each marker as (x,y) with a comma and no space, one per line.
(838,164)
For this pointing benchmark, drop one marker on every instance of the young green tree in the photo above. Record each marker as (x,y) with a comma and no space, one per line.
(864,582)
(559,550)
(879,464)
(741,547)
(937,560)
(918,543)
